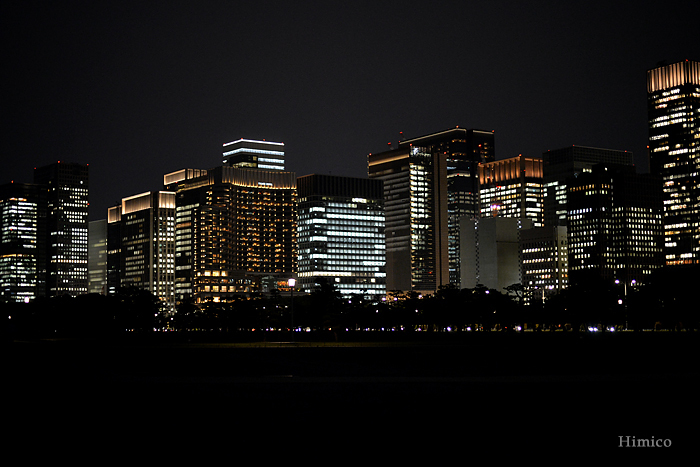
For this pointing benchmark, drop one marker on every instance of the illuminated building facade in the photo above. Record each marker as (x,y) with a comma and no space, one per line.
(97,257)
(114,249)
(235,227)
(673,94)
(253,154)
(64,219)
(491,251)
(19,241)
(463,149)
(415,203)
(561,164)
(545,261)
(341,234)
(512,188)
(614,225)
(146,233)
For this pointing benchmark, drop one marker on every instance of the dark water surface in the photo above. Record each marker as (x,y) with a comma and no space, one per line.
(501,391)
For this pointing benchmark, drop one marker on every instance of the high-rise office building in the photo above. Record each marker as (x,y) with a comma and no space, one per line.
(561,164)
(234,228)
(673,95)
(512,188)
(463,149)
(146,250)
(545,258)
(19,241)
(97,257)
(64,220)
(253,154)
(415,203)
(341,234)
(615,227)
(114,249)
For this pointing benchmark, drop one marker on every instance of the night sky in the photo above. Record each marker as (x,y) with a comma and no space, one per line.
(140,89)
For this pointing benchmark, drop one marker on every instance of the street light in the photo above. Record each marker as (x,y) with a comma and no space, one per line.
(633,282)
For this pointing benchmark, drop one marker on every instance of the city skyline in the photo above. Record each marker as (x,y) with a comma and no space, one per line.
(138,92)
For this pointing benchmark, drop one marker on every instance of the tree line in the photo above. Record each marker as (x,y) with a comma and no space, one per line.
(666,302)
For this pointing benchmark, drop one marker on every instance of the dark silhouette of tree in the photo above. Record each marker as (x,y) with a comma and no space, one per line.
(325,306)
(138,309)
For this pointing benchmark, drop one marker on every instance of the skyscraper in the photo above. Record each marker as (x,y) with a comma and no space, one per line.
(415,202)
(253,154)
(234,227)
(147,243)
(544,255)
(673,95)
(19,241)
(614,224)
(114,248)
(512,188)
(561,164)
(463,149)
(341,234)
(97,257)
(64,220)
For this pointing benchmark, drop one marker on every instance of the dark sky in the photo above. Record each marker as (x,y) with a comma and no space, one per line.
(140,89)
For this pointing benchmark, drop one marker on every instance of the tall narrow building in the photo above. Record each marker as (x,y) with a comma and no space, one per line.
(673,95)
(147,244)
(97,257)
(20,251)
(64,221)
(415,202)
(114,249)
(341,234)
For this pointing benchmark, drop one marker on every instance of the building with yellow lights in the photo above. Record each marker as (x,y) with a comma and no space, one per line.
(235,230)
(673,95)
(512,188)
(143,252)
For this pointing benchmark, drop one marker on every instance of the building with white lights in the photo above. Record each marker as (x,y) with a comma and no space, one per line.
(254,154)
(341,235)
(545,258)
(415,204)
(145,225)
(63,220)
(19,241)
(463,149)
(561,164)
(615,229)
(512,188)
(673,95)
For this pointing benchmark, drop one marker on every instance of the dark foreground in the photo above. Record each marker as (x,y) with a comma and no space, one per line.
(470,393)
